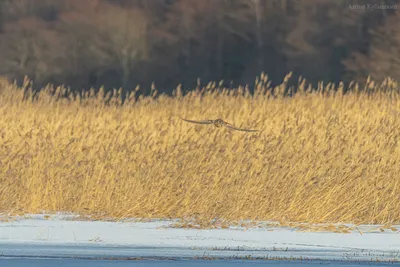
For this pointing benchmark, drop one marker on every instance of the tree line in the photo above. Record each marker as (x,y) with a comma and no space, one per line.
(122,43)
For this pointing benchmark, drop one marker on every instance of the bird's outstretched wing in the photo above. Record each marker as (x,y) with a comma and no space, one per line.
(199,122)
(238,129)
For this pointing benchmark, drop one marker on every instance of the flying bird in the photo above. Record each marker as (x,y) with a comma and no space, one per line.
(219,123)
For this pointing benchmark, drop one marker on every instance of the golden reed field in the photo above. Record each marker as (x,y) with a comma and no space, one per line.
(321,156)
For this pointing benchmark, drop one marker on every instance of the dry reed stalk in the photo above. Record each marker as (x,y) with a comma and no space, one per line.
(320,157)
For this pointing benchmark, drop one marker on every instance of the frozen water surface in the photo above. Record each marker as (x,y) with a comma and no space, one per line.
(178,263)
(63,237)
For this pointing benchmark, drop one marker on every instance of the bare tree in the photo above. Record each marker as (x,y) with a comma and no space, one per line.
(322,33)
(383,57)
(202,30)
(260,37)
(115,37)
(30,47)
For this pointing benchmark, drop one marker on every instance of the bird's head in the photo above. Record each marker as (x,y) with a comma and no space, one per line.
(219,123)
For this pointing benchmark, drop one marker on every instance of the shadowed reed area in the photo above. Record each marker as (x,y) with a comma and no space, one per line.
(320,156)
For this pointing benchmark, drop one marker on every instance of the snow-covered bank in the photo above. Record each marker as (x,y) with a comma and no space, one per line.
(62,237)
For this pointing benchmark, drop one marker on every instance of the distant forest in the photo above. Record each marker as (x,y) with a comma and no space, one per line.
(122,43)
